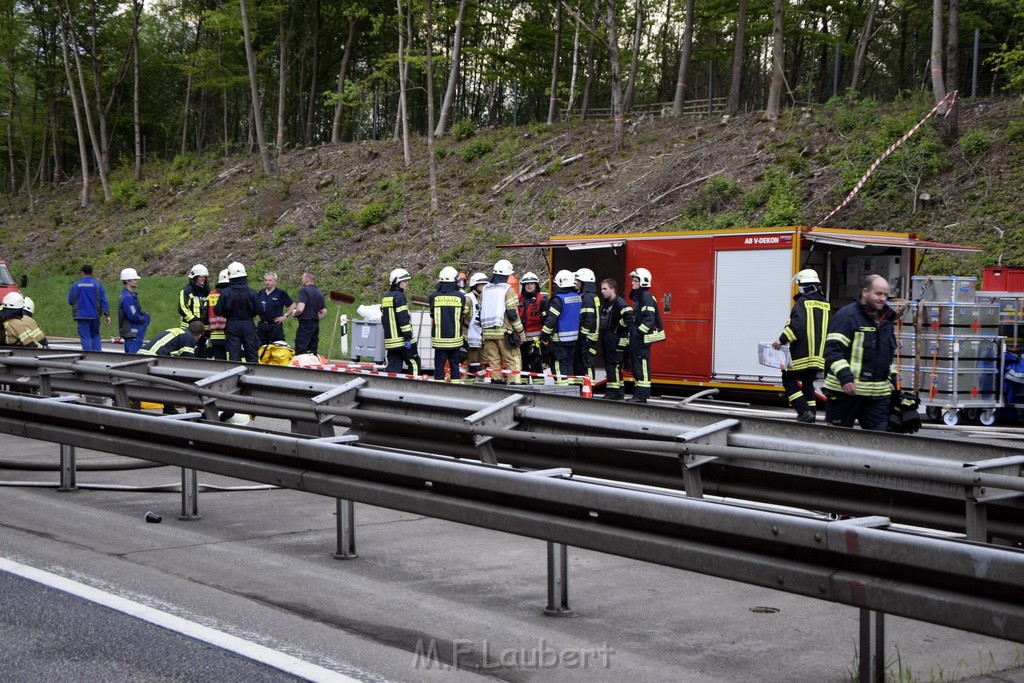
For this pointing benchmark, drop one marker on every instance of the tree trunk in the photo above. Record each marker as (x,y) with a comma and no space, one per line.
(627,103)
(188,92)
(732,105)
(311,108)
(254,91)
(938,83)
(684,62)
(453,73)
(282,79)
(432,163)
(862,47)
(137,108)
(83,153)
(951,123)
(553,100)
(86,107)
(575,69)
(589,85)
(403,111)
(616,65)
(336,124)
(778,54)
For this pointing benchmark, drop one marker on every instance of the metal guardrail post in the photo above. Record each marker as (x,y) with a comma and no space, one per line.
(189,495)
(346,530)
(977,519)
(872,646)
(558,581)
(67,468)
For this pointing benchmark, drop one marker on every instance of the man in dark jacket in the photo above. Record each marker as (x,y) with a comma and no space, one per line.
(399,343)
(805,334)
(586,345)
(859,352)
(177,342)
(237,305)
(88,301)
(448,308)
(616,317)
(646,330)
(311,309)
(561,328)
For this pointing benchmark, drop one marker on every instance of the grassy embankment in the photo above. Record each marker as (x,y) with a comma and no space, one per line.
(158,296)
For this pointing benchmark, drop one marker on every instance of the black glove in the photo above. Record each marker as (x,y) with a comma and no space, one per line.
(512,340)
(904,418)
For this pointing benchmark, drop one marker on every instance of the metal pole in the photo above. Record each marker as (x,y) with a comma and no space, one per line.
(346,530)
(835,73)
(189,494)
(558,581)
(67,468)
(974,70)
(711,87)
(872,646)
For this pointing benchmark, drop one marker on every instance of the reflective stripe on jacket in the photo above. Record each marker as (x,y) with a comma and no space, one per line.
(394,309)
(805,331)
(861,349)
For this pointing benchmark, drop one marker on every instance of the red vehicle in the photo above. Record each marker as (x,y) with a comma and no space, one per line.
(6,281)
(723,291)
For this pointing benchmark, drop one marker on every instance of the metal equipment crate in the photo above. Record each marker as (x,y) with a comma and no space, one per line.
(1011,322)
(962,374)
(948,289)
(953,318)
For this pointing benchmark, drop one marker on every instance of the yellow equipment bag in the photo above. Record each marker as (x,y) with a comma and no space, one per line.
(278,353)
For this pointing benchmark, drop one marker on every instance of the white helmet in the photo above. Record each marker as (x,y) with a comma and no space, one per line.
(478,279)
(530,277)
(564,278)
(399,275)
(236,269)
(30,306)
(807,277)
(198,270)
(503,267)
(643,275)
(585,275)
(222,277)
(129,274)
(13,300)
(447,274)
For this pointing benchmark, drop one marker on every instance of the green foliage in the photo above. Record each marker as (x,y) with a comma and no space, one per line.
(182,161)
(849,116)
(1015,131)
(782,205)
(475,150)
(463,129)
(128,193)
(372,214)
(1010,60)
(717,191)
(975,142)
(283,232)
(441,153)
(174,179)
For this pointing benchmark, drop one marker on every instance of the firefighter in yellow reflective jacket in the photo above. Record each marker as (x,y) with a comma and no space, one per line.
(218,323)
(193,299)
(398,341)
(16,327)
(174,342)
(448,308)
(646,330)
(859,352)
(805,334)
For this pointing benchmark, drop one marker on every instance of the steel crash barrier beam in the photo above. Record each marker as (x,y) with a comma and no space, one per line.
(968,487)
(860,562)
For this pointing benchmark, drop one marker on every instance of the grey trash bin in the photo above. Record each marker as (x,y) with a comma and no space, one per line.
(368,340)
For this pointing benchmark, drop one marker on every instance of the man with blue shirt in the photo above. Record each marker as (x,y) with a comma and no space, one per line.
(132,321)
(312,308)
(274,305)
(88,301)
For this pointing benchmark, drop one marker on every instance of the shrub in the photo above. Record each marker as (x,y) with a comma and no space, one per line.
(1015,131)
(475,150)
(182,161)
(975,142)
(462,129)
(138,202)
(286,230)
(123,191)
(372,214)
(782,206)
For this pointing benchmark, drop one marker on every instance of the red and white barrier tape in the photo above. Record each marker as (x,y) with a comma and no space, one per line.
(948,101)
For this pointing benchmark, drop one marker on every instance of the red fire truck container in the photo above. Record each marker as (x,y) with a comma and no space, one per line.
(723,291)
(6,281)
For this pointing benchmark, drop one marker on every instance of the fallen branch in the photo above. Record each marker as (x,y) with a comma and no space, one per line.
(509,178)
(662,196)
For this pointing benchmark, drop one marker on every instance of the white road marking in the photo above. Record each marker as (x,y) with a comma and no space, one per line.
(259,653)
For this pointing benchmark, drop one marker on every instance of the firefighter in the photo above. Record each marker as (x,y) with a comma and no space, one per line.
(616,317)
(194,296)
(562,326)
(533,308)
(646,330)
(586,345)
(448,310)
(805,334)
(394,308)
(218,323)
(132,321)
(237,304)
(17,328)
(175,342)
(503,330)
(859,352)
(474,333)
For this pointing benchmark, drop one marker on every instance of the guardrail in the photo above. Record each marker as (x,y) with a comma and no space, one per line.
(865,561)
